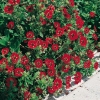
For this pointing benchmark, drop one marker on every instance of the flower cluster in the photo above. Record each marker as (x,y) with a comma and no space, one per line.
(43,44)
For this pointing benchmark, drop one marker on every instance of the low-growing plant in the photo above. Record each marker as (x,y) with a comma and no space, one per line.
(43,43)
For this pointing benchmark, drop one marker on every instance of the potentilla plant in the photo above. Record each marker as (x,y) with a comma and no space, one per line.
(43,43)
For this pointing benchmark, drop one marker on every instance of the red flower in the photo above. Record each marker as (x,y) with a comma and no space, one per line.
(10,25)
(27,95)
(77,77)
(14,57)
(68,16)
(38,63)
(32,44)
(87,64)
(92,14)
(5,51)
(55,47)
(18,72)
(83,41)
(65,69)
(96,65)
(80,34)
(51,90)
(65,13)
(27,67)
(44,44)
(48,13)
(90,54)
(59,31)
(10,81)
(73,35)
(68,85)
(57,83)
(29,8)
(29,34)
(24,60)
(13,2)
(67,27)
(79,22)
(10,69)
(86,30)
(51,7)
(42,74)
(95,37)
(51,72)
(50,63)
(66,58)
(72,3)
(68,79)
(49,40)
(43,21)
(76,59)
(8,9)
(3,61)
(39,90)
(56,24)
(38,41)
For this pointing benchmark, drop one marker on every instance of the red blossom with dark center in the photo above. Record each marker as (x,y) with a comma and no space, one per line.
(18,72)
(57,83)
(86,30)
(76,59)
(50,63)
(42,74)
(10,69)
(24,60)
(32,44)
(14,57)
(77,77)
(29,8)
(87,64)
(8,9)
(44,44)
(38,63)
(49,40)
(48,13)
(59,31)
(51,90)
(66,58)
(73,35)
(27,67)
(13,2)
(10,25)
(90,54)
(39,41)
(65,69)
(5,51)
(83,41)
(68,79)
(51,72)
(29,34)
(39,90)
(55,47)
(11,80)
(56,24)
